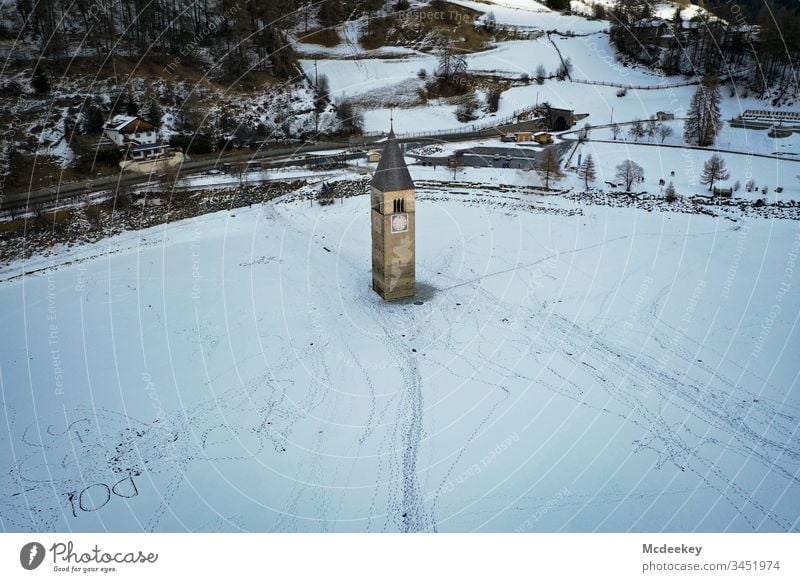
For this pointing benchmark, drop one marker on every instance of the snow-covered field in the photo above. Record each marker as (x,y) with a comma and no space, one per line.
(659,164)
(375,82)
(529,13)
(565,368)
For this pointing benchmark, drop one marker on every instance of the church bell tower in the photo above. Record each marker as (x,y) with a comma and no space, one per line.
(393,224)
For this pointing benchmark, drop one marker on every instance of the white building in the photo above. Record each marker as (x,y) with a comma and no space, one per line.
(127,130)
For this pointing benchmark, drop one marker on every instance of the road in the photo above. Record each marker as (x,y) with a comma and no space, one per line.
(67,190)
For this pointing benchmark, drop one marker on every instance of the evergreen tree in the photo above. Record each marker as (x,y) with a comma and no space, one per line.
(704,119)
(350,118)
(558,4)
(281,54)
(117,102)
(40,83)
(493,99)
(714,170)
(323,94)
(587,171)
(669,194)
(92,119)
(153,111)
(677,21)
(331,13)
(131,107)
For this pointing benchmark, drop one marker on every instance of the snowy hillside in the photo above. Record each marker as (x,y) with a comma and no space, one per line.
(564,367)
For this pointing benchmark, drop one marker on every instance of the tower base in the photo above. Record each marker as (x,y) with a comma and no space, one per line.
(395,293)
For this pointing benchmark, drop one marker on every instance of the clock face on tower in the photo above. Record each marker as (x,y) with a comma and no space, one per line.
(399,222)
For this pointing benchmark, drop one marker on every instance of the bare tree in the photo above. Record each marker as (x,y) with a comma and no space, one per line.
(637,131)
(714,170)
(239,172)
(540,74)
(583,134)
(616,130)
(123,196)
(629,172)
(490,23)
(664,131)
(451,64)
(587,171)
(550,166)
(651,129)
(350,118)
(170,178)
(564,70)
(457,162)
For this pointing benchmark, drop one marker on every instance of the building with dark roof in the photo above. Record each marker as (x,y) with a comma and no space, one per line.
(127,130)
(393,225)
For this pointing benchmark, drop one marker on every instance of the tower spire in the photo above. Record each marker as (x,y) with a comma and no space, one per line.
(393,223)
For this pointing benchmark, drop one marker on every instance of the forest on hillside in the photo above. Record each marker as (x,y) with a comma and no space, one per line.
(750,9)
(761,54)
(230,36)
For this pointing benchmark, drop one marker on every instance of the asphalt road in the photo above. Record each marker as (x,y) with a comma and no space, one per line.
(65,190)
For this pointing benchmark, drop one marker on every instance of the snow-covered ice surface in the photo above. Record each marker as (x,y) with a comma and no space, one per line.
(567,368)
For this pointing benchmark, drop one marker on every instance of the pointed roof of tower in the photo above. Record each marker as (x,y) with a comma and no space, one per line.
(392,173)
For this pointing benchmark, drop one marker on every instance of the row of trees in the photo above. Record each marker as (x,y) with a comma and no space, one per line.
(651,129)
(702,124)
(628,172)
(549,167)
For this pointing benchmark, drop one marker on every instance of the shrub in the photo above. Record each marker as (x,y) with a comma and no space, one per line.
(466,110)
(599,11)
(493,99)
(558,4)
(192,144)
(40,83)
(669,194)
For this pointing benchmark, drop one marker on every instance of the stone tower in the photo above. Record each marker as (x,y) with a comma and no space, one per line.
(393,223)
